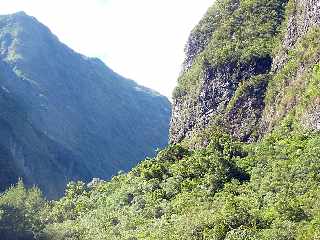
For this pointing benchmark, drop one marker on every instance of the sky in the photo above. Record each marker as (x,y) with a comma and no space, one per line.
(140,39)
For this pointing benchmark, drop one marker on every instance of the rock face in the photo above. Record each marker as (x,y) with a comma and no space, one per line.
(298,55)
(67,117)
(305,15)
(233,76)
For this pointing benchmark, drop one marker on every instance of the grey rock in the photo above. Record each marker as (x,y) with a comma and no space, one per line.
(248,118)
(305,16)
(217,89)
(94,182)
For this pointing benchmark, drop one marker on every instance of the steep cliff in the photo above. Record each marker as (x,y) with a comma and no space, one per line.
(76,118)
(247,65)
(292,92)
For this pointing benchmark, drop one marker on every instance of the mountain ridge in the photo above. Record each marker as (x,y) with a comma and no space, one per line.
(67,98)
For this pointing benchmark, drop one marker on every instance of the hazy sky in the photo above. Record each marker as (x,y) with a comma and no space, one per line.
(140,39)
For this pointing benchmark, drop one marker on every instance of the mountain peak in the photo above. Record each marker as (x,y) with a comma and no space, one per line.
(17,15)
(20,13)
(20,21)
(83,118)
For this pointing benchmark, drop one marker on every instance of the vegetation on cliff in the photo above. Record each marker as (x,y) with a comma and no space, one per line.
(232,31)
(231,47)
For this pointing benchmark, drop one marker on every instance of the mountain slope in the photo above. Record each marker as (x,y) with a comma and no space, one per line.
(293,86)
(229,57)
(248,65)
(79,118)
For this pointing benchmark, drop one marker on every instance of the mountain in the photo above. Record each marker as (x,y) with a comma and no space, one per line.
(225,76)
(68,117)
(244,158)
(246,72)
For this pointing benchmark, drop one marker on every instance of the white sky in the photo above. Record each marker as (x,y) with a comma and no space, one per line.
(140,39)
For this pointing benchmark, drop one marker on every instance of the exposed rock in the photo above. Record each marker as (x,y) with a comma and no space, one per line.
(232,94)
(94,182)
(212,98)
(217,90)
(304,16)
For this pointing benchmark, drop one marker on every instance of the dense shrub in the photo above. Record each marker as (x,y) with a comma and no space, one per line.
(21,213)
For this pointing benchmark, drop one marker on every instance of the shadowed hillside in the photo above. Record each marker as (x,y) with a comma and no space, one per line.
(74,117)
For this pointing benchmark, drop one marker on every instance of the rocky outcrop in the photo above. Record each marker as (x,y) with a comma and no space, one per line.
(224,87)
(247,98)
(293,66)
(69,117)
(304,15)
(213,105)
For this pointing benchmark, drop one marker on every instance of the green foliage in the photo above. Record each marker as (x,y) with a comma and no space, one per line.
(244,87)
(70,206)
(226,190)
(294,87)
(21,213)
(233,31)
